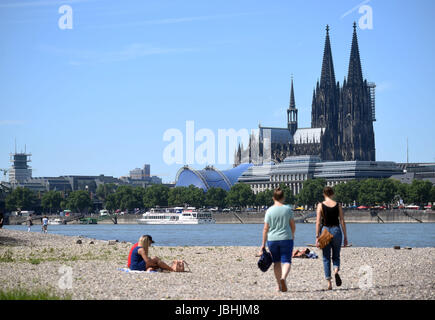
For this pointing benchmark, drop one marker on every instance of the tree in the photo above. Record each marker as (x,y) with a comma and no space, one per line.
(103,190)
(111,202)
(312,192)
(177,197)
(240,195)
(369,192)
(79,200)
(21,198)
(195,196)
(347,193)
(288,194)
(432,195)
(156,195)
(51,200)
(215,197)
(264,198)
(420,192)
(128,197)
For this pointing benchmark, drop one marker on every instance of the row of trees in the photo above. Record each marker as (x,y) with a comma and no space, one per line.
(363,192)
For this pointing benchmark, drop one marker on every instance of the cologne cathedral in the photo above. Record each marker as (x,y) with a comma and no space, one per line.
(341,119)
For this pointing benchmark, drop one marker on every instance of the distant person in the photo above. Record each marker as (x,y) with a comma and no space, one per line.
(140,259)
(330,214)
(279,231)
(44,224)
(29,222)
(2,210)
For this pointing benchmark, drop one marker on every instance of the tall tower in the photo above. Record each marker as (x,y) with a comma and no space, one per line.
(20,170)
(324,112)
(357,140)
(292,112)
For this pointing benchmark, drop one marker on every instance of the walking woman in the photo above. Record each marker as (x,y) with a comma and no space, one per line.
(330,216)
(279,231)
(140,259)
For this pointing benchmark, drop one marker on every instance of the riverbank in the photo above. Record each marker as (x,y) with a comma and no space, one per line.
(35,261)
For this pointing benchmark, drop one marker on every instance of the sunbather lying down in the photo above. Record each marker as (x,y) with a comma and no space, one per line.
(304,254)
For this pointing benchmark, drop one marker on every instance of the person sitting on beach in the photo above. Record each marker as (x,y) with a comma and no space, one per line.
(330,216)
(279,230)
(129,254)
(141,261)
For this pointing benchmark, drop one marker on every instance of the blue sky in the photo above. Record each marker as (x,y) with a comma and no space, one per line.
(97,98)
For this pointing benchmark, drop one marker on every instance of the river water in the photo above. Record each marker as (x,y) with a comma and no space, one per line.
(359,235)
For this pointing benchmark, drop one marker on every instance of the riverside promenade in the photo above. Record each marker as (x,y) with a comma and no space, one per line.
(34,261)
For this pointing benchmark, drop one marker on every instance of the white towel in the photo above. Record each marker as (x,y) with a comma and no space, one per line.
(134,271)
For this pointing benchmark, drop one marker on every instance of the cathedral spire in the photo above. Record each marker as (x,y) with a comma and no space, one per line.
(328,77)
(354,76)
(292,96)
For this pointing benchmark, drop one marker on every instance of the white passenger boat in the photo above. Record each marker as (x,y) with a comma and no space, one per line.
(176,215)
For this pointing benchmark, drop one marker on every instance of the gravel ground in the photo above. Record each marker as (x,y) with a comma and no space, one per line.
(35,260)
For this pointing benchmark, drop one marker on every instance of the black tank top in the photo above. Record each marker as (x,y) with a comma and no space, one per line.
(330,215)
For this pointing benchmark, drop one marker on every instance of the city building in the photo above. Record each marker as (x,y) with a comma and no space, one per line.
(293,171)
(341,119)
(20,171)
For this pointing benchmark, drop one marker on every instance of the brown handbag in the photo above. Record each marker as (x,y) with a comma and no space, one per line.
(178,265)
(325,237)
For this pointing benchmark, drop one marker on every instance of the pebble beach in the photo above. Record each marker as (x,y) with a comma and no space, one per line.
(34,261)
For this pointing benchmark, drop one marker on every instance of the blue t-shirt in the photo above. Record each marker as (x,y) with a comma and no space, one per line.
(137,262)
(278,218)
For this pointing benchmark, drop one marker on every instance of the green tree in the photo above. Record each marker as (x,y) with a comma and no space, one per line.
(347,193)
(51,200)
(215,197)
(21,198)
(195,196)
(177,197)
(79,200)
(432,195)
(240,195)
(420,192)
(369,193)
(111,202)
(128,197)
(156,195)
(103,190)
(264,198)
(311,193)
(288,194)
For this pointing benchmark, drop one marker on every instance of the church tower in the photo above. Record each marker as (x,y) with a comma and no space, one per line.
(357,140)
(292,112)
(324,112)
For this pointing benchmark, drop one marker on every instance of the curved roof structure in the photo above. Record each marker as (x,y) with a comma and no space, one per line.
(210,177)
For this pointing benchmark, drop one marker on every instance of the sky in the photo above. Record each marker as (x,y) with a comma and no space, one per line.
(98,96)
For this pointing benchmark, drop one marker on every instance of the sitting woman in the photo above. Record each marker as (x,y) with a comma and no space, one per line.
(140,260)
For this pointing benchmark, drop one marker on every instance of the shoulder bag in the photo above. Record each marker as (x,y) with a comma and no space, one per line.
(325,237)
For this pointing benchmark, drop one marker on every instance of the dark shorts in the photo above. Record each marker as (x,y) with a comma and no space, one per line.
(281,250)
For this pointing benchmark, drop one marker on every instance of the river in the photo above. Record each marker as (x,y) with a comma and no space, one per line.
(359,235)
